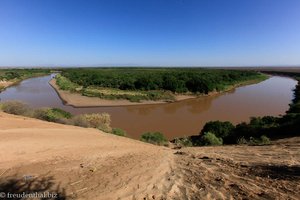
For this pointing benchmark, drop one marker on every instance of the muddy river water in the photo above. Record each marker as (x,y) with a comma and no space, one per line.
(270,97)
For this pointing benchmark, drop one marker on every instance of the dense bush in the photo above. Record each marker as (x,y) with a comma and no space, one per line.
(154,138)
(15,107)
(209,138)
(52,114)
(119,132)
(218,128)
(241,140)
(265,140)
(65,84)
(100,121)
(262,140)
(96,120)
(80,120)
(8,74)
(178,80)
(183,142)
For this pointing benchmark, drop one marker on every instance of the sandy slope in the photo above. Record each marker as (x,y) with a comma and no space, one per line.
(81,163)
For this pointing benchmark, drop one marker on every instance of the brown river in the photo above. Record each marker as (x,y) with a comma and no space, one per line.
(270,97)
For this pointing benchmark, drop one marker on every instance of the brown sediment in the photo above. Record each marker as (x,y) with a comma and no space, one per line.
(79,101)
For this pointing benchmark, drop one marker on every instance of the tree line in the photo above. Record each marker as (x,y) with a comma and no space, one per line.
(177,80)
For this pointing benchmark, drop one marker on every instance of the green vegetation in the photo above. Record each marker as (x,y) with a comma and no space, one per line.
(154,138)
(259,130)
(15,107)
(136,84)
(100,121)
(220,129)
(183,142)
(9,74)
(119,132)
(133,96)
(21,74)
(52,114)
(66,84)
(210,139)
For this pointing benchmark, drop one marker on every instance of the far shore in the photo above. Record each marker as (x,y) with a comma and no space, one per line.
(8,83)
(77,100)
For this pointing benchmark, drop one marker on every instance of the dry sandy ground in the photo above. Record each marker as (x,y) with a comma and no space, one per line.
(81,163)
(78,100)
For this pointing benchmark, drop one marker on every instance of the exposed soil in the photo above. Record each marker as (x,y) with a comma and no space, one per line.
(82,163)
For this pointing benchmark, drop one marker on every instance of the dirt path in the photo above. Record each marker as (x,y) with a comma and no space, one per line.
(80,163)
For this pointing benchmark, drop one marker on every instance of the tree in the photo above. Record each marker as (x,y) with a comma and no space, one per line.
(220,129)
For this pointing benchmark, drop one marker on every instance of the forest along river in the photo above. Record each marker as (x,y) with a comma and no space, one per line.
(270,97)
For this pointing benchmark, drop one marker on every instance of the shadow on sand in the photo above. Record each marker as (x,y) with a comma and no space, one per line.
(32,185)
(280,172)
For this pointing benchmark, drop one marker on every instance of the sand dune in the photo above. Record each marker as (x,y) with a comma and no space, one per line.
(81,163)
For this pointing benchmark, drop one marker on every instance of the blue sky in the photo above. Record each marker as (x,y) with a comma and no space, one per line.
(149,32)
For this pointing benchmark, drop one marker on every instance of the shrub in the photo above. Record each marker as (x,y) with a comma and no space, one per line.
(262,140)
(119,132)
(154,138)
(220,129)
(16,108)
(242,140)
(80,120)
(66,84)
(265,140)
(52,115)
(100,121)
(209,138)
(253,141)
(40,113)
(183,142)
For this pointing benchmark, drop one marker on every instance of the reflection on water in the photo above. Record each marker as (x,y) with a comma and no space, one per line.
(270,97)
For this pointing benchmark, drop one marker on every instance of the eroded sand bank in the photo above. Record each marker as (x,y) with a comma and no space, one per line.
(84,163)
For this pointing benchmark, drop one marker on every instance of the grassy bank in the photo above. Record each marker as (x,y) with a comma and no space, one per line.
(99,121)
(137,84)
(10,77)
(112,93)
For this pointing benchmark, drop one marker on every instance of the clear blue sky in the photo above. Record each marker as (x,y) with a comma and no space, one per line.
(149,32)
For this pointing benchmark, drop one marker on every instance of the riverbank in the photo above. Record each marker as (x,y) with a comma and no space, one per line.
(5,84)
(19,75)
(77,100)
(85,163)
